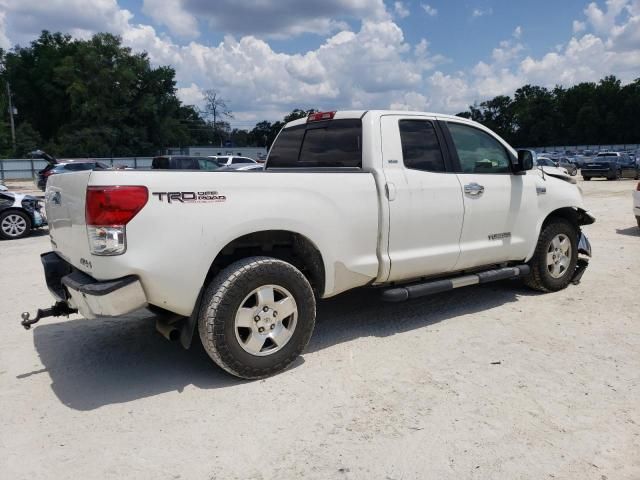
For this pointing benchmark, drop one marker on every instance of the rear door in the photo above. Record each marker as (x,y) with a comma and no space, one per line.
(500,207)
(425,198)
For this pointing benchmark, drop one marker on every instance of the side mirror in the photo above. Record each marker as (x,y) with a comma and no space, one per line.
(526,159)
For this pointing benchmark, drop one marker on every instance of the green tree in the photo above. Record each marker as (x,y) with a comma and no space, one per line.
(27,140)
(95,97)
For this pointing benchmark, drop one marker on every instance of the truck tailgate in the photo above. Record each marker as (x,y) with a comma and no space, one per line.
(65,208)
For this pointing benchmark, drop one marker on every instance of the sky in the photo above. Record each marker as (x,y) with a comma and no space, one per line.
(266,57)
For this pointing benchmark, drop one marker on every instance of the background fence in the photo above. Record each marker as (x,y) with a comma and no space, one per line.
(26,168)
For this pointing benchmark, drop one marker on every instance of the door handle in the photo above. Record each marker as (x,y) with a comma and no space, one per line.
(390,191)
(473,189)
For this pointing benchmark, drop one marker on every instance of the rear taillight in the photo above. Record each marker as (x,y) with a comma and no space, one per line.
(108,210)
(47,173)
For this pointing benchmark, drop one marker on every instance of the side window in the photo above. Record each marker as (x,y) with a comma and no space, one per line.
(478,151)
(237,160)
(420,146)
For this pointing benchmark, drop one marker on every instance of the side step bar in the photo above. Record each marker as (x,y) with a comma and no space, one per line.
(400,294)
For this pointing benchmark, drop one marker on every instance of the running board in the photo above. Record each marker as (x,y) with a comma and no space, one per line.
(400,294)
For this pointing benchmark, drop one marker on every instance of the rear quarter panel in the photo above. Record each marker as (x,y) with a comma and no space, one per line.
(171,245)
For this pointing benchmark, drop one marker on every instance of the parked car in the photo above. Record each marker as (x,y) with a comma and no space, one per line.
(19,215)
(568,165)
(580,160)
(242,167)
(549,166)
(226,160)
(605,164)
(179,162)
(636,204)
(629,167)
(355,199)
(67,166)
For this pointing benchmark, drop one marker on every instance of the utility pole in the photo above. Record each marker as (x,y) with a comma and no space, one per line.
(13,127)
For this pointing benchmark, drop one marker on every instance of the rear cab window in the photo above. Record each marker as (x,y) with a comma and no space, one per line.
(323,144)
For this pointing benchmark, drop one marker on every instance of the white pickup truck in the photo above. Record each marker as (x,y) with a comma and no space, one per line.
(409,203)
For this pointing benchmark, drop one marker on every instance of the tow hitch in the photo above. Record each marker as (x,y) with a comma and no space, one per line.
(57,310)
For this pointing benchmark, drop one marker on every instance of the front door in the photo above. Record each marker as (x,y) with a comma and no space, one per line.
(425,199)
(500,207)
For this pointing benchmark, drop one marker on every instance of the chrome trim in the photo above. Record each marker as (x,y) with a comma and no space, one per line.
(473,189)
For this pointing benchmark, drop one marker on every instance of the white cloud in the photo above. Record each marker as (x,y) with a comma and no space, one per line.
(603,21)
(429,10)
(80,18)
(4,40)
(282,18)
(478,12)
(372,66)
(579,26)
(171,14)
(400,10)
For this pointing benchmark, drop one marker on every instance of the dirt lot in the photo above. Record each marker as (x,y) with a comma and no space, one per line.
(491,382)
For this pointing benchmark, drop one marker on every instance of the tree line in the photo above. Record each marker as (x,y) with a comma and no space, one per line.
(602,113)
(97,98)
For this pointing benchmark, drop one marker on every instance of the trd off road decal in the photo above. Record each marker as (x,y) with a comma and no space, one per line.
(189,197)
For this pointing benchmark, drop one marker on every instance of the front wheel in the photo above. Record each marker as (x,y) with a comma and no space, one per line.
(257,316)
(554,261)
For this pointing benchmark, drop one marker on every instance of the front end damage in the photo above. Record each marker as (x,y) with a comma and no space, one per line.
(584,253)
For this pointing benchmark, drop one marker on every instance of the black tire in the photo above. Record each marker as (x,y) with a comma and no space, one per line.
(586,179)
(540,277)
(10,213)
(226,294)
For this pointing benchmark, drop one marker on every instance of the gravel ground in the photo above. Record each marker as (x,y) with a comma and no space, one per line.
(491,382)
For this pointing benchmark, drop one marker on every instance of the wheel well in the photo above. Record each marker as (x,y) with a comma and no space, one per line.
(288,246)
(576,216)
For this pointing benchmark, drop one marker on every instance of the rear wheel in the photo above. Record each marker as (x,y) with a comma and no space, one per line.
(257,316)
(555,257)
(14,224)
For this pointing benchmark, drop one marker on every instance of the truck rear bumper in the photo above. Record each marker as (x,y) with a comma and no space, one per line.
(91,297)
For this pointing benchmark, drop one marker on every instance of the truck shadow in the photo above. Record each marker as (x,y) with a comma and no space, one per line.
(93,363)
(631,231)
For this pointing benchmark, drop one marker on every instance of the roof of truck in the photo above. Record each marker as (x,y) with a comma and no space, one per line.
(345,114)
